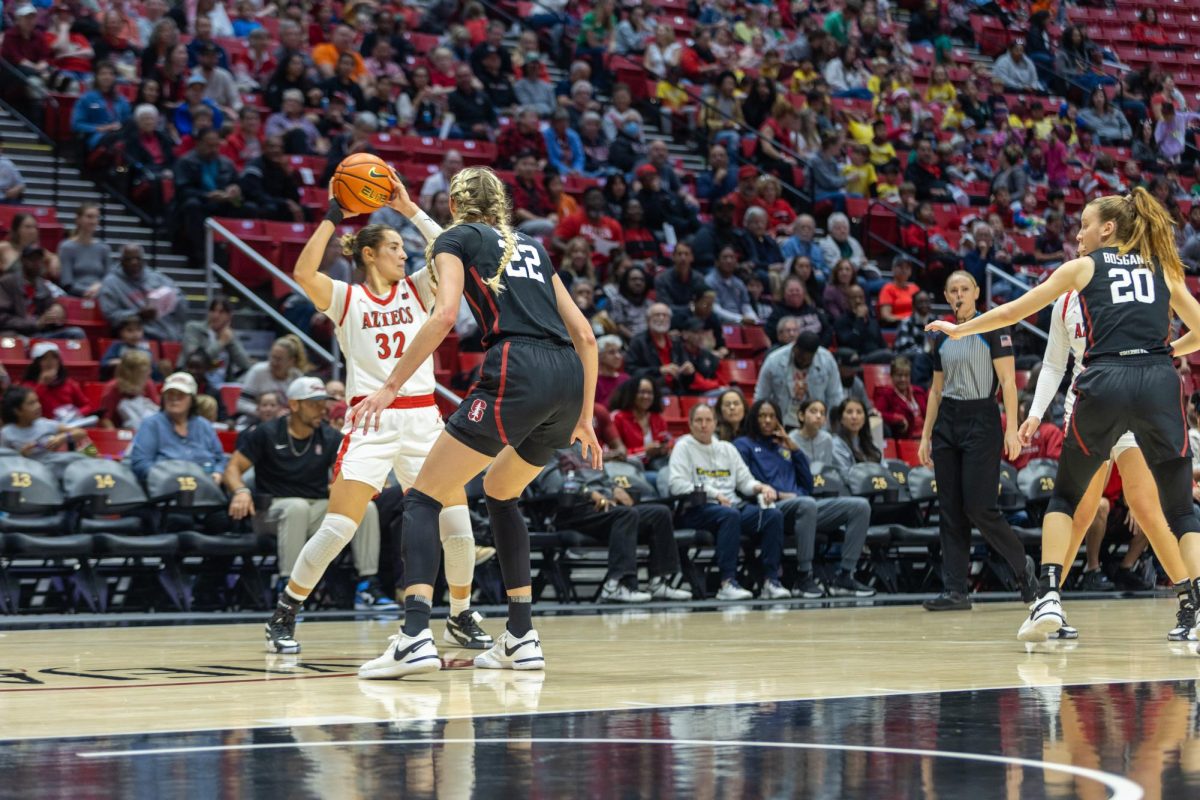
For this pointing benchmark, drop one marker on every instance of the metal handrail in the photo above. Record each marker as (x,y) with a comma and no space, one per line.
(29,124)
(989,276)
(211,268)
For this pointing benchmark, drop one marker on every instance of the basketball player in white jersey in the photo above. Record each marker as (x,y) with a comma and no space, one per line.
(373,321)
(1068,335)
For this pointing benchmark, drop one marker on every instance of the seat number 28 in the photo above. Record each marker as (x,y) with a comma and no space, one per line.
(524,263)
(1131,285)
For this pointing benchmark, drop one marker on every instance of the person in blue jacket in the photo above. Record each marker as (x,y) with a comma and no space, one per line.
(774,459)
(102,111)
(564,148)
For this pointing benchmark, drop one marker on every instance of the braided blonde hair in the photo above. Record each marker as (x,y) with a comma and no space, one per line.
(479,196)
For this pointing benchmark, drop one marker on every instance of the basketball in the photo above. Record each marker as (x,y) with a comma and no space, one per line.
(363,183)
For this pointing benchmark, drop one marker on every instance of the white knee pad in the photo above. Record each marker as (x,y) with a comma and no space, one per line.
(331,538)
(458,543)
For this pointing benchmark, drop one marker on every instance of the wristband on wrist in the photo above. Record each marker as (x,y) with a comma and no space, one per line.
(334,214)
(245,489)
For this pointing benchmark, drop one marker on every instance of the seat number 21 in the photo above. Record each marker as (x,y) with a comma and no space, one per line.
(1129,286)
(524,264)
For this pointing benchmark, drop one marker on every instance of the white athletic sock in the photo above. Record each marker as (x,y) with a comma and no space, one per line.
(458,606)
(331,538)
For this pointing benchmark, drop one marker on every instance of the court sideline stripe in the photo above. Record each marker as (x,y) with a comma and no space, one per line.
(1122,788)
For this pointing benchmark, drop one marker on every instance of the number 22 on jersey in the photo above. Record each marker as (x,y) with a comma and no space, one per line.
(1131,285)
(524,263)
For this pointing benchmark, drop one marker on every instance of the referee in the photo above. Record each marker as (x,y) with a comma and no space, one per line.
(962,432)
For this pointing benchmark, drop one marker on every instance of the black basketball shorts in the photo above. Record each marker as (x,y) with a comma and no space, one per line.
(1142,394)
(529,396)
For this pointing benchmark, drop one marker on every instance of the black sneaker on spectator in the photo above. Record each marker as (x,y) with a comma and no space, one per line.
(948,601)
(773,590)
(808,587)
(731,591)
(369,596)
(615,592)
(1129,581)
(465,631)
(844,584)
(1185,620)
(661,589)
(1094,580)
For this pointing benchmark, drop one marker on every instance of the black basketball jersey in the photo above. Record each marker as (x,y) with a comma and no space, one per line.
(527,306)
(1126,306)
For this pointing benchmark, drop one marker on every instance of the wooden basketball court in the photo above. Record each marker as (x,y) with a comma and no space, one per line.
(791,700)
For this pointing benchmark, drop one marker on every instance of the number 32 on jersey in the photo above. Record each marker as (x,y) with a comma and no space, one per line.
(524,263)
(1129,286)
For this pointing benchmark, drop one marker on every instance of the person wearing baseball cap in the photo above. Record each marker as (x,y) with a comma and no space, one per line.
(746,194)
(26,47)
(292,457)
(28,304)
(177,432)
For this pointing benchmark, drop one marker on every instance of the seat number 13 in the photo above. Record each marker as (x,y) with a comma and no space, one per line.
(1129,286)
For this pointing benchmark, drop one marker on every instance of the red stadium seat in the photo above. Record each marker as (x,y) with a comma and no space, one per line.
(169,350)
(230,392)
(876,375)
(908,451)
(228,440)
(112,444)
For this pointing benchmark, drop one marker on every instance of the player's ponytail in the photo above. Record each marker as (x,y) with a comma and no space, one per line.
(353,244)
(1142,226)
(478,195)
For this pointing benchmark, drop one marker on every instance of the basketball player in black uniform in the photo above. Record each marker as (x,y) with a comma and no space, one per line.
(1128,285)
(535,395)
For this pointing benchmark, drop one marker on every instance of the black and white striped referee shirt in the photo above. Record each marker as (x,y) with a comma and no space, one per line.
(966,363)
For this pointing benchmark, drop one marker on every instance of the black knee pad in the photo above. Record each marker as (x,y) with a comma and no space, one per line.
(1174,480)
(421,544)
(1075,472)
(512,541)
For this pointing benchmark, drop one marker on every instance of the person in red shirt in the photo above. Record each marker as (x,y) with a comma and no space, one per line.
(602,232)
(1047,441)
(25,47)
(519,136)
(896,296)
(246,142)
(532,210)
(699,63)
(770,199)
(255,66)
(640,243)
(900,403)
(745,195)
(47,376)
(1147,32)
(637,415)
(130,396)
(71,53)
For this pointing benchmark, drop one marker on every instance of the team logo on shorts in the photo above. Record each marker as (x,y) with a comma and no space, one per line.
(476,412)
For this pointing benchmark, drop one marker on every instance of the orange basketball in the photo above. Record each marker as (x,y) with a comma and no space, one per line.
(363,183)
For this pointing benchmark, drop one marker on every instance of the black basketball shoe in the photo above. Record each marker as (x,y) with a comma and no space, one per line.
(281,629)
(465,631)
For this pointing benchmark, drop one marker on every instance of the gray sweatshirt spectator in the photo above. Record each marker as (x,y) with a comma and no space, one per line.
(716,467)
(796,371)
(733,298)
(125,292)
(216,337)
(82,266)
(1110,125)
(1015,70)
(819,449)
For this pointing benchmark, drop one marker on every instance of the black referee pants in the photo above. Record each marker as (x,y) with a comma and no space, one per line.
(967,446)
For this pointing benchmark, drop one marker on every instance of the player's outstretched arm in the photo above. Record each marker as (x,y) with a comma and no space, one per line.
(307,273)
(1072,275)
(584,340)
(367,413)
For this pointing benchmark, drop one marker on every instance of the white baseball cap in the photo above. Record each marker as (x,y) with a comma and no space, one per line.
(180,382)
(307,389)
(41,348)
(24,9)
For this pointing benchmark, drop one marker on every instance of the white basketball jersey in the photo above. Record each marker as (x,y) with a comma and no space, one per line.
(1070,316)
(374,331)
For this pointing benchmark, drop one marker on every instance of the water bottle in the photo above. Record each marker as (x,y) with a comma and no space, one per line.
(699,496)
(570,489)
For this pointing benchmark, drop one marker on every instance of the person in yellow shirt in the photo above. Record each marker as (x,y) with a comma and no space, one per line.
(860,173)
(804,78)
(1042,126)
(940,90)
(880,147)
(877,83)
(887,188)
